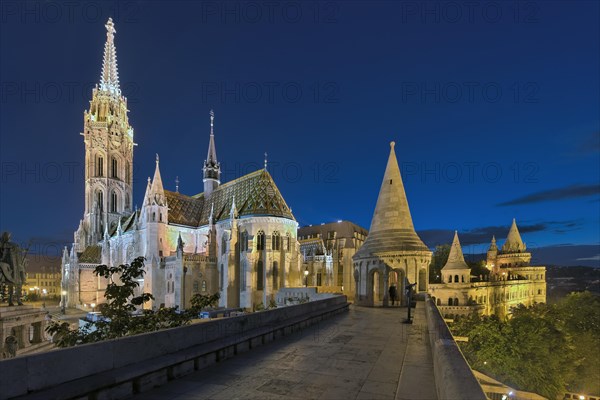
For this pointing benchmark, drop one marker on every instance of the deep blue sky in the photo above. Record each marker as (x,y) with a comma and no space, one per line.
(494,109)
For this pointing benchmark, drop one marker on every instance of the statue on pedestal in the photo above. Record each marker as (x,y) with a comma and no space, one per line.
(12,268)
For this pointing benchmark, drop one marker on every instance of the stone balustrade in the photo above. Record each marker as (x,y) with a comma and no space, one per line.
(454,378)
(121,367)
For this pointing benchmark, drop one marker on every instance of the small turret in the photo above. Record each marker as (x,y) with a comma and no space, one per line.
(456,269)
(492,254)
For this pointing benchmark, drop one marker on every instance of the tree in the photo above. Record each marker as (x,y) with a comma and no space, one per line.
(543,348)
(122,314)
(438,260)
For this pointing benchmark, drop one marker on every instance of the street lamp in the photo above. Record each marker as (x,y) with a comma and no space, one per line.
(306,277)
(64,301)
(93,306)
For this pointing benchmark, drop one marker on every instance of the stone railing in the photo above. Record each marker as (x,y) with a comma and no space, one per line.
(454,378)
(121,367)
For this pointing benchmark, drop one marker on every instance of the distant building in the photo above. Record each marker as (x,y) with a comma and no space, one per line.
(393,253)
(43,276)
(512,281)
(327,251)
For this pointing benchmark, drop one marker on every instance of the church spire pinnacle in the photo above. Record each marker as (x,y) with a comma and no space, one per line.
(212,168)
(109,80)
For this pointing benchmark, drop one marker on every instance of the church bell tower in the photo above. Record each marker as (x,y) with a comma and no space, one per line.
(108,139)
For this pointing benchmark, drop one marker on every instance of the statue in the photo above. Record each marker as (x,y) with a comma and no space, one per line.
(10,347)
(12,268)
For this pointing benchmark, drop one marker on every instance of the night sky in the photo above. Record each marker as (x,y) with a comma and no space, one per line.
(494,109)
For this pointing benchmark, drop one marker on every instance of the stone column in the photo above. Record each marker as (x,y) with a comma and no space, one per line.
(386,284)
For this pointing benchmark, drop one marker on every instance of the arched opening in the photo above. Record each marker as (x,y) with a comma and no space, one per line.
(455,301)
(439,302)
(450,301)
(377,288)
(455,278)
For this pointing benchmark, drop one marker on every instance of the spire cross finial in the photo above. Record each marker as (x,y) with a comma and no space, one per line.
(157,158)
(212,121)
(110,29)
(177,184)
(265,160)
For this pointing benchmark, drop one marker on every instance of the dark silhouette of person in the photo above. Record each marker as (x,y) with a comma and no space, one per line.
(393,293)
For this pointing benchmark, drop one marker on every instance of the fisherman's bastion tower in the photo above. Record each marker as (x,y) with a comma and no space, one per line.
(237,238)
(393,253)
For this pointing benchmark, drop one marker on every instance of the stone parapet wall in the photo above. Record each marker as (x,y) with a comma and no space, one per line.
(454,378)
(121,367)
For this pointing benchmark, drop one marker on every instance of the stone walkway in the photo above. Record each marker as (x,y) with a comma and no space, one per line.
(367,353)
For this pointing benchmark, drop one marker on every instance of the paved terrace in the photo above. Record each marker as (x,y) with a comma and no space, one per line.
(367,353)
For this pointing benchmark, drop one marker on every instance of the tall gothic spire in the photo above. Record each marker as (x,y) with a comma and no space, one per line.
(392,227)
(109,80)
(212,168)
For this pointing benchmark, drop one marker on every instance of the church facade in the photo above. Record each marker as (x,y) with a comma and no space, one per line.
(237,238)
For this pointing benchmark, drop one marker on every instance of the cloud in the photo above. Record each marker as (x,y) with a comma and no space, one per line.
(568,192)
(483,235)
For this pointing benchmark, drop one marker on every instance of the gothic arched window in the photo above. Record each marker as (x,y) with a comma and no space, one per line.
(113,202)
(99,166)
(276,241)
(127,201)
(289,241)
(275,275)
(455,301)
(260,240)
(196,286)
(450,301)
(114,168)
(204,286)
(259,275)
(127,172)
(243,276)
(244,241)
(100,199)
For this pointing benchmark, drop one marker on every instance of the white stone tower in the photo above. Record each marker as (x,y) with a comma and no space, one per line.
(108,139)
(212,168)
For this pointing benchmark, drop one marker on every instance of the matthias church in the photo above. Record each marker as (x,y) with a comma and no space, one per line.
(236,238)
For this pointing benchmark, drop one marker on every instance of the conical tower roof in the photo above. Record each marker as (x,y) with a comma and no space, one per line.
(391,227)
(513,243)
(456,259)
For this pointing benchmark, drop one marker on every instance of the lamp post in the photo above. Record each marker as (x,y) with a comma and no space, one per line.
(306,277)
(93,306)
(63,301)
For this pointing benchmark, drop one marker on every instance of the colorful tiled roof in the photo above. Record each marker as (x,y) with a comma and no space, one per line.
(255,194)
(91,255)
